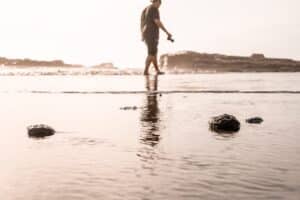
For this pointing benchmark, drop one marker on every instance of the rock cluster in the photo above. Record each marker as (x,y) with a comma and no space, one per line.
(220,124)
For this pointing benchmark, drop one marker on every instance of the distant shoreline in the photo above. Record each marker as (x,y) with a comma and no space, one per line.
(69,71)
(184,62)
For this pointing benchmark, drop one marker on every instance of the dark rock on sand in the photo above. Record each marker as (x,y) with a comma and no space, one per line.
(224,124)
(129,108)
(255,120)
(40,131)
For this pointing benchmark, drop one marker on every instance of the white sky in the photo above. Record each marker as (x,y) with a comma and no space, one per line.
(94,31)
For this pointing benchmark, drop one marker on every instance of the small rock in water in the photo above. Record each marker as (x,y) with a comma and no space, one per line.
(255,120)
(224,124)
(40,131)
(129,108)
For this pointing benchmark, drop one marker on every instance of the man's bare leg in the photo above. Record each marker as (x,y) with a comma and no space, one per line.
(147,65)
(156,66)
(154,61)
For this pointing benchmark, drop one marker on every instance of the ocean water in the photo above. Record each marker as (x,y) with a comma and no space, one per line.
(161,150)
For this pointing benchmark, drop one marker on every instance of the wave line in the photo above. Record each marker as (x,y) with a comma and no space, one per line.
(168,92)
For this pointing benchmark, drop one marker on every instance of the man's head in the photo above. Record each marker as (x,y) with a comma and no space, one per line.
(156,3)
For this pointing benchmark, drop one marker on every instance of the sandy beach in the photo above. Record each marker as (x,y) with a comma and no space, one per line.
(163,149)
(149,100)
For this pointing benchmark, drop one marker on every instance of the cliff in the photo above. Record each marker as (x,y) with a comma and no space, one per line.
(34,63)
(105,66)
(189,61)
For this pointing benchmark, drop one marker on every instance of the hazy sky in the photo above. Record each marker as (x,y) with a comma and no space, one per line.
(95,31)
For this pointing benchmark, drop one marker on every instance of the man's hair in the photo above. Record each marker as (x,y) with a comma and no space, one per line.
(154,1)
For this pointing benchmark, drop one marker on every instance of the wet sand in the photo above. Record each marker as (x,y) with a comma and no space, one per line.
(161,150)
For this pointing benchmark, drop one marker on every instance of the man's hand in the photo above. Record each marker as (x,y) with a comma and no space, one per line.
(170,37)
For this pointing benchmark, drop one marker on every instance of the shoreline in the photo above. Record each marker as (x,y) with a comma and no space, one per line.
(67,71)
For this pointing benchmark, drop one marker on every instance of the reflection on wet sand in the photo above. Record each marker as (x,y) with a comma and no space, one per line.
(150,117)
(150,131)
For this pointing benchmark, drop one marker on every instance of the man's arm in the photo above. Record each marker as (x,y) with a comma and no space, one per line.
(160,25)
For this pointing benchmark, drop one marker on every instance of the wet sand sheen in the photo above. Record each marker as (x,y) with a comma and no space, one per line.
(164,92)
(162,150)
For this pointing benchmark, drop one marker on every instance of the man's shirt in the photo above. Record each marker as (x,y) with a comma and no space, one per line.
(151,29)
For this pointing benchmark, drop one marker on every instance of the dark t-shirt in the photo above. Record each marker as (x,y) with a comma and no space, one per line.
(151,29)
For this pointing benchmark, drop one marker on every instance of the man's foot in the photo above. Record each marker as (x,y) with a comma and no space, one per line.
(160,73)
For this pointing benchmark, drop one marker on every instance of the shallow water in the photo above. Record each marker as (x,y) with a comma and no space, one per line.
(162,150)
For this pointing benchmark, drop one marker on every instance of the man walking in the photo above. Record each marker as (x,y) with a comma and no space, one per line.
(150,25)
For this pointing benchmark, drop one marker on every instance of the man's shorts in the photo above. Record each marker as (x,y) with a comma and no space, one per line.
(152,44)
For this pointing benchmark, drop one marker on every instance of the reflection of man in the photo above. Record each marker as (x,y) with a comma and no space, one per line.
(150,24)
(150,114)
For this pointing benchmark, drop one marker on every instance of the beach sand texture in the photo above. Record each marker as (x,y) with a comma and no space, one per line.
(163,149)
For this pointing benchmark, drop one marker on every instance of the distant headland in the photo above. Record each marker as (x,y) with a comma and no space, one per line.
(34,63)
(189,61)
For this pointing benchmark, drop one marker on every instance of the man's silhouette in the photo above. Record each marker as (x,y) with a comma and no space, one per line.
(150,25)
